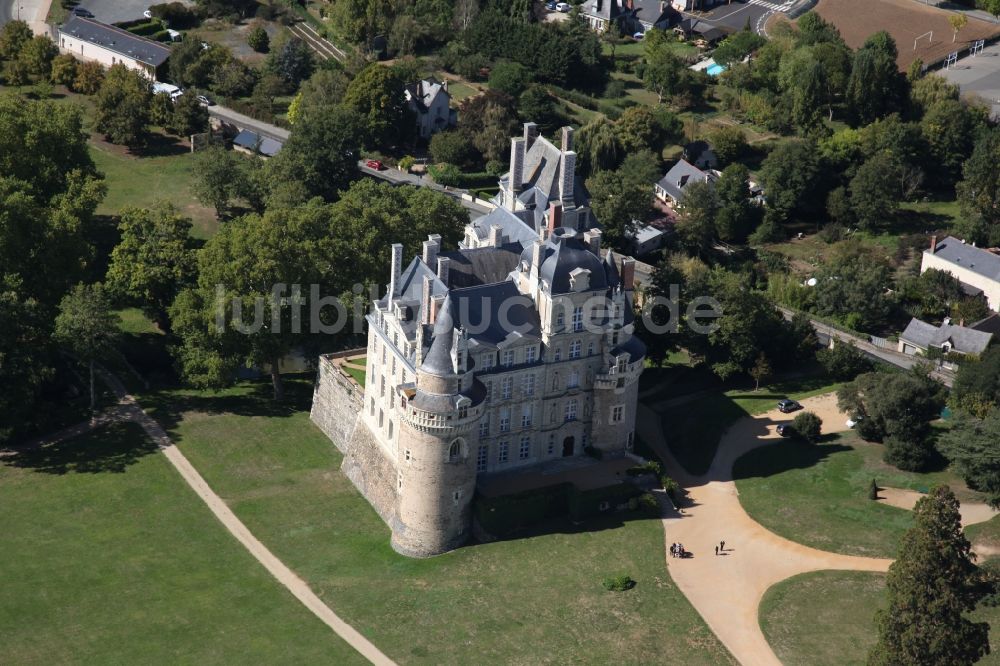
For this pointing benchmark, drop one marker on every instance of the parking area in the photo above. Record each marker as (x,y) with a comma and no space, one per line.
(979,75)
(115,11)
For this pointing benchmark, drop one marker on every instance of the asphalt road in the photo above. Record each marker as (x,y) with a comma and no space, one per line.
(115,11)
(736,15)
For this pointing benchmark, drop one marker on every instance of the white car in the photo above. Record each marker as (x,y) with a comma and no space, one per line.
(148,14)
(562,7)
(853,421)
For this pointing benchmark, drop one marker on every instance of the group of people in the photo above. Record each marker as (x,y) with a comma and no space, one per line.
(677,550)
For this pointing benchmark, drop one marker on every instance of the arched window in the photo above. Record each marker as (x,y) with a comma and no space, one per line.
(455,451)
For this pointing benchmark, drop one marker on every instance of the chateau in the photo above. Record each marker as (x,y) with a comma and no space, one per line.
(514,350)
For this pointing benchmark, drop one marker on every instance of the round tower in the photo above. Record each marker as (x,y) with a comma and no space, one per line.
(437,471)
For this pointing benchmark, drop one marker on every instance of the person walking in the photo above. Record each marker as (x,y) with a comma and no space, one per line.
(722,546)
(716,551)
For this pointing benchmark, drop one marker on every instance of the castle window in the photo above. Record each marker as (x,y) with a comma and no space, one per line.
(630,441)
(555,381)
(528,385)
(502,452)
(557,354)
(526,416)
(484,427)
(574,349)
(552,445)
(390,429)
(530,354)
(406,454)
(560,318)
(571,410)
(457,495)
(371,410)
(614,338)
(381,418)
(382,389)
(621,364)
(463,411)
(578,319)
(590,348)
(481,457)
(506,388)
(455,451)
(508,358)
(489,391)
(574,380)
(525,450)
(505,419)
(617,413)
(393,366)
(487,361)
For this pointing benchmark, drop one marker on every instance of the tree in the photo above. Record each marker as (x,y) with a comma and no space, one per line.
(696,218)
(188,117)
(979,190)
(376,95)
(729,143)
(618,203)
(790,175)
(215,176)
(510,78)
(851,285)
(808,426)
(491,120)
(957,21)
(977,385)
(292,63)
(324,150)
(876,87)
(971,447)
(454,147)
(950,129)
(737,46)
(88,327)
(258,39)
(63,70)
(536,105)
(37,55)
(873,192)
(760,371)
(931,585)
(123,106)
(154,260)
(665,74)
(843,361)
(13,36)
(89,77)
(639,129)
(737,216)
(927,90)
(598,146)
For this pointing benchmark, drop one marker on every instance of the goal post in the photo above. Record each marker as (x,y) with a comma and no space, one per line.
(929,35)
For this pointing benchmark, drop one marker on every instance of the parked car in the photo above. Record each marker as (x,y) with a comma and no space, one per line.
(786,430)
(374,164)
(562,7)
(853,421)
(204,101)
(551,5)
(148,14)
(639,35)
(85,13)
(785,406)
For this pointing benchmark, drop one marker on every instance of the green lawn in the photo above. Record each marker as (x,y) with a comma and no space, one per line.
(357,374)
(460,91)
(536,599)
(987,534)
(817,495)
(693,429)
(108,557)
(827,618)
(144,181)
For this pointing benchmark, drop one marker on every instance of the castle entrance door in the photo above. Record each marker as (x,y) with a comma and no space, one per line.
(568,447)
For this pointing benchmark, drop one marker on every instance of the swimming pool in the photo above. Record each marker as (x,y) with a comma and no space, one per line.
(715,70)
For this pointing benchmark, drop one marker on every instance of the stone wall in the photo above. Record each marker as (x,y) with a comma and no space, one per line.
(336,410)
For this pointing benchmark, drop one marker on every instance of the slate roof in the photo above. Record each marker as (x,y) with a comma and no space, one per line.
(962,339)
(542,170)
(680,176)
(116,40)
(515,227)
(483,265)
(252,140)
(973,258)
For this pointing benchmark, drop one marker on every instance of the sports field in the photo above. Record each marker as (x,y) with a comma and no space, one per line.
(907,21)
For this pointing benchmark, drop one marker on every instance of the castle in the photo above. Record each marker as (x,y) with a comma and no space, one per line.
(513,350)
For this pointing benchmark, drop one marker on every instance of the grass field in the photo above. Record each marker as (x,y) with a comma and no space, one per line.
(817,495)
(536,599)
(693,429)
(108,557)
(826,618)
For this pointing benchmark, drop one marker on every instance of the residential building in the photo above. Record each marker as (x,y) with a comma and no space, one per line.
(87,39)
(977,269)
(629,16)
(542,182)
(921,337)
(431,105)
(700,154)
(670,188)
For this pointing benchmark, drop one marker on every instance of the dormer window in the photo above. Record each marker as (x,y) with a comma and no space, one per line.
(508,358)
(579,279)
(560,318)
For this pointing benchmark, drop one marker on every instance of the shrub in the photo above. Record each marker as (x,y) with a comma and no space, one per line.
(648,503)
(832,233)
(619,583)
(615,89)
(89,76)
(914,455)
(175,14)
(63,70)
(258,40)
(873,490)
(453,147)
(648,467)
(509,77)
(808,426)
(407,162)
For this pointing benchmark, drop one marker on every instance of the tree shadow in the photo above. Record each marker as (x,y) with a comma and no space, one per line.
(781,456)
(110,448)
(161,145)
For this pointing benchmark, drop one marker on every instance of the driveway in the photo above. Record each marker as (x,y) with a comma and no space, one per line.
(116,11)
(735,15)
(33,12)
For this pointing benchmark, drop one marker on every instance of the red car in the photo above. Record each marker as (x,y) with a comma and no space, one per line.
(374,164)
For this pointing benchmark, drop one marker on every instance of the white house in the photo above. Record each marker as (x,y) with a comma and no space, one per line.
(670,188)
(977,269)
(431,104)
(920,336)
(87,39)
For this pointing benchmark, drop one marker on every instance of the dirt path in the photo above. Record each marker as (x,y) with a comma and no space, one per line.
(129,410)
(727,589)
(972,512)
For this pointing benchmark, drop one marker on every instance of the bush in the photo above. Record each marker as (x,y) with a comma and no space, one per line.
(509,77)
(671,487)
(176,15)
(258,40)
(808,426)
(844,361)
(406,163)
(832,233)
(729,143)
(615,89)
(63,70)
(873,490)
(453,147)
(909,455)
(648,467)
(619,583)
(648,503)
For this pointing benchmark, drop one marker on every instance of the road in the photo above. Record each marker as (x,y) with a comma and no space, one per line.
(246,122)
(34,12)
(397,177)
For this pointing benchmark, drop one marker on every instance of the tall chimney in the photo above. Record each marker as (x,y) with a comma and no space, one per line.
(567,172)
(431,247)
(496,235)
(537,250)
(593,239)
(516,170)
(555,216)
(436,302)
(933,244)
(530,134)
(567,139)
(426,296)
(443,269)
(397,267)
(628,273)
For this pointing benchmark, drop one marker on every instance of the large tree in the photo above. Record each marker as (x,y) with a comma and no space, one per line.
(88,327)
(376,96)
(154,260)
(979,190)
(932,585)
(874,192)
(977,386)
(971,446)
(876,87)
(123,106)
(790,174)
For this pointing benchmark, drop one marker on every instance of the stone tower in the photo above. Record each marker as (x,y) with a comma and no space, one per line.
(437,473)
